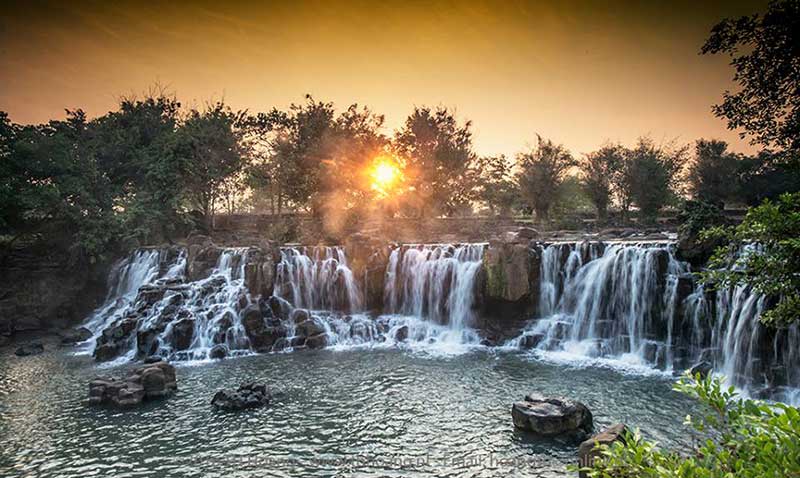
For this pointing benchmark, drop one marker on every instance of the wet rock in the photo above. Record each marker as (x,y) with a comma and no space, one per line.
(146,342)
(149,381)
(506,269)
(401,334)
(218,351)
(317,341)
(115,339)
(182,334)
(262,336)
(587,452)
(281,308)
(312,326)
(530,341)
(551,416)
(153,359)
(703,368)
(250,395)
(201,260)
(4,340)
(74,336)
(299,316)
(25,350)
(259,273)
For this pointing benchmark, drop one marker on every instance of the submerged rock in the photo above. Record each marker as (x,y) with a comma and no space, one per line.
(587,452)
(551,416)
(75,336)
(34,348)
(249,395)
(150,381)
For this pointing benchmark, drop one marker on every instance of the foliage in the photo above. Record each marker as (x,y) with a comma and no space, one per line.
(209,148)
(542,171)
(439,160)
(766,176)
(496,186)
(571,204)
(711,172)
(601,177)
(764,253)
(733,438)
(650,176)
(695,215)
(765,52)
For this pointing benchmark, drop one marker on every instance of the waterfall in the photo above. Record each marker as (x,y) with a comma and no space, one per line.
(635,304)
(127,276)
(317,278)
(434,282)
(761,360)
(613,300)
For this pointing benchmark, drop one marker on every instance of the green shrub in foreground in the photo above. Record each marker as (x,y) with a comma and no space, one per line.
(734,438)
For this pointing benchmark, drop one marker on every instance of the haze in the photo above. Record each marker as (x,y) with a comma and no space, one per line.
(580,73)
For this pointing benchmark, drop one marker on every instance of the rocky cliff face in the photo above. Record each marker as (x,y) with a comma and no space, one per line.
(44,288)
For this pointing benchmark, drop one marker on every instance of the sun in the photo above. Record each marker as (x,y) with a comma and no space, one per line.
(384,174)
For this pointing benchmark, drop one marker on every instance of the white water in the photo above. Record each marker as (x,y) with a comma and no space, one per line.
(317,278)
(434,282)
(620,305)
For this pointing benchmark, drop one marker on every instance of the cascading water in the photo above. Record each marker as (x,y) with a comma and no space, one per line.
(430,295)
(434,282)
(317,278)
(607,300)
(630,303)
(143,266)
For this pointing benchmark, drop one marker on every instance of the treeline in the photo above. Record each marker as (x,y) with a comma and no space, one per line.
(151,170)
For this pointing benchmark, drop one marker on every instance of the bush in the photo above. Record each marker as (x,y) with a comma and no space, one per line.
(734,438)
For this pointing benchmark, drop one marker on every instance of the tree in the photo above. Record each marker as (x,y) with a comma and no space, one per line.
(733,437)
(542,171)
(763,252)
(209,146)
(650,176)
(764,176)
(711,172)
(439,159)
(496,185)
(765,53)
(601,172)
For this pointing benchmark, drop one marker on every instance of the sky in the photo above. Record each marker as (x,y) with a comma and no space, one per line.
(578,72)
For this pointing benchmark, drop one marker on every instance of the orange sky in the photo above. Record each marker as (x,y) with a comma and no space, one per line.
(579,73)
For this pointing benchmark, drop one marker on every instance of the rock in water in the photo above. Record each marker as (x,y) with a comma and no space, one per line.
(587,452)
(75,336)
(703,368)
(29,349)
(152,380)
(550,416)
(249,395)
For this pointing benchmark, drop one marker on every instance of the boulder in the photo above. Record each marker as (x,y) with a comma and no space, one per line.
(115,339)
(312,326)
(153,380)
(259,273)
(587,452)
(202,259)
(218,351)
(250,395)
(261,336)
(317,341)
(75,336)
(281,308)
(34,348)
(401,334)
(182,334)
(299,316)
(552,416)
(507,268)
(703,368)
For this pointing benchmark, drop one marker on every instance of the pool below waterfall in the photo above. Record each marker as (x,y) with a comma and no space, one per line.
(357,412)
